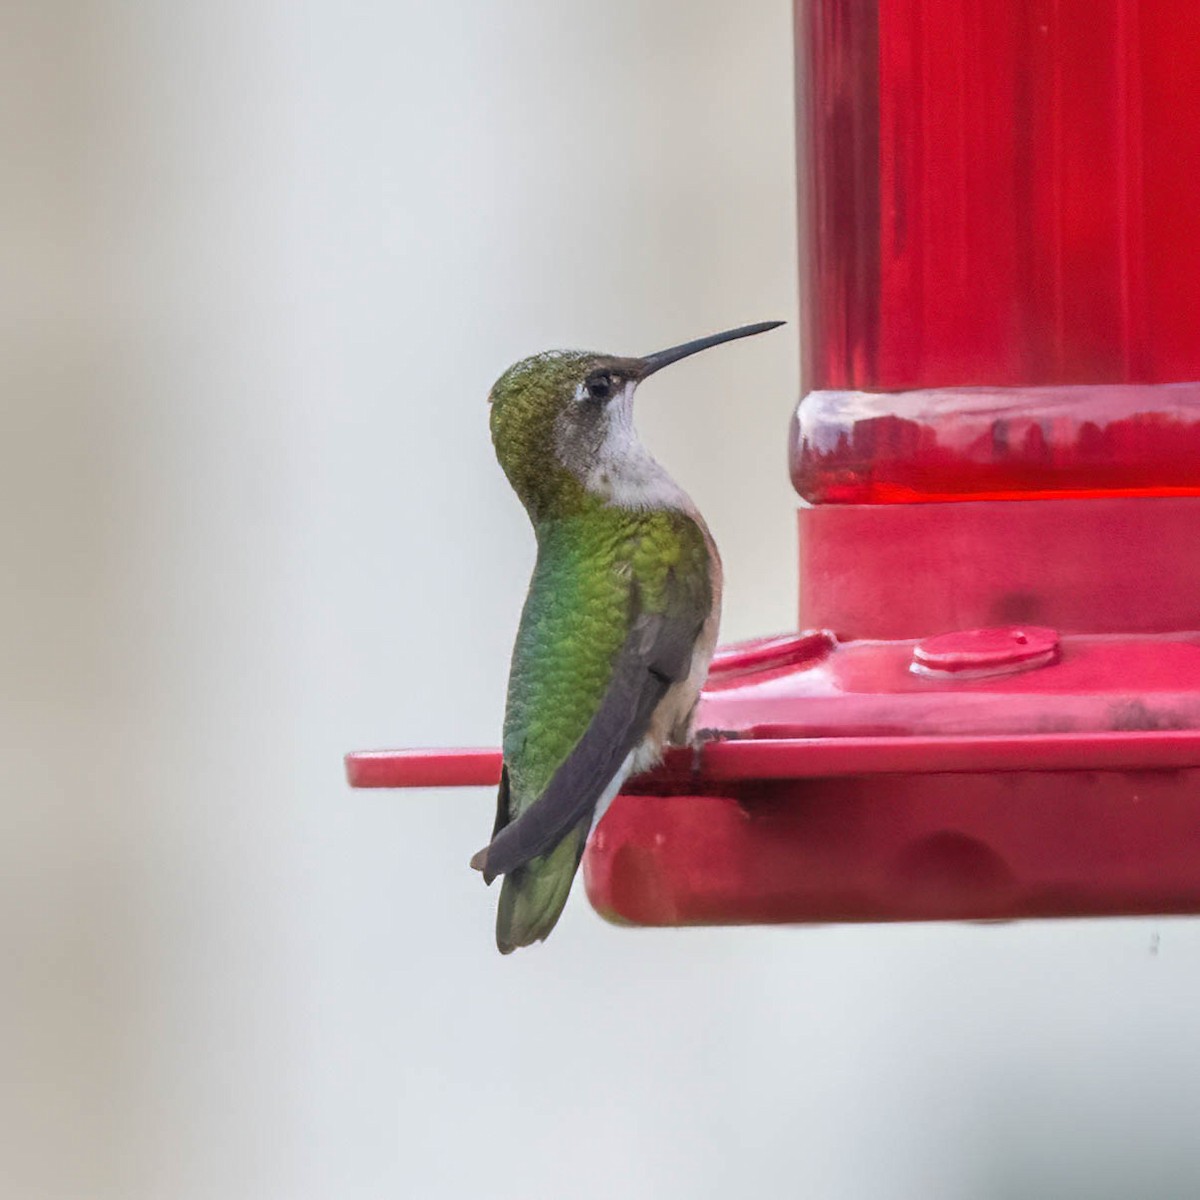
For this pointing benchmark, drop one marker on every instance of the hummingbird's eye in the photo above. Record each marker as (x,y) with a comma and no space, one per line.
(599,386)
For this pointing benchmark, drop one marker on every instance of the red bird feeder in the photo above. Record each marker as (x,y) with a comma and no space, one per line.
(996,710)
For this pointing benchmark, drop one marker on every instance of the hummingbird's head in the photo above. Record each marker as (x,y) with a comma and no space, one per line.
(562,425)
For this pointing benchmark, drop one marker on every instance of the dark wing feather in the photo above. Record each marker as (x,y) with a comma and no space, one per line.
(656,654)
(503,815)
(502,802)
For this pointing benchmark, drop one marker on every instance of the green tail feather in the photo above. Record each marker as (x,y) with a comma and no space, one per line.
(533,897)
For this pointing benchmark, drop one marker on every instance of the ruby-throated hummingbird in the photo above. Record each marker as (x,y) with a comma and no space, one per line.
(619,625)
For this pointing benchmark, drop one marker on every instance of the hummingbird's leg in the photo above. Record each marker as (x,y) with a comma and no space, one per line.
(701,738)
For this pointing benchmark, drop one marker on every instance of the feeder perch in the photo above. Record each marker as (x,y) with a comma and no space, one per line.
(994,710)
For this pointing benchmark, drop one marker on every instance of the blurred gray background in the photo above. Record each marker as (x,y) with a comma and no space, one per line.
(259,265)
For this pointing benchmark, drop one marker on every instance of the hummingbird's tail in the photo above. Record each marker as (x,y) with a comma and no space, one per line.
(533,896)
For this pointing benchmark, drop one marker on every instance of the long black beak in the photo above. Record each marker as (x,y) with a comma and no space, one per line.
(664,358)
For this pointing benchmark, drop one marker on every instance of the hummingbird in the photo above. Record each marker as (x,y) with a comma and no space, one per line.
(619,623)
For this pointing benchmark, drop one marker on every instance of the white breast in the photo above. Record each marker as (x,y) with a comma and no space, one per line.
(624,472)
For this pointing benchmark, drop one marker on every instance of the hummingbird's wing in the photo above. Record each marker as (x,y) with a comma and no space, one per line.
(656,653)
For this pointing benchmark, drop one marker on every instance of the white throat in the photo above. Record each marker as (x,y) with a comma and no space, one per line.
(624,472)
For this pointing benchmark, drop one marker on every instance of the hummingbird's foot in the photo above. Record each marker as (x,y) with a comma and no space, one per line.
(702,737)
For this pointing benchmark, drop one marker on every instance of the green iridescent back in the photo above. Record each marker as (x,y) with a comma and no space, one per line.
(592,568)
